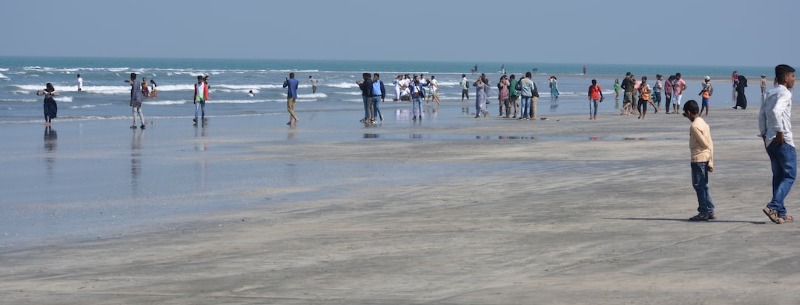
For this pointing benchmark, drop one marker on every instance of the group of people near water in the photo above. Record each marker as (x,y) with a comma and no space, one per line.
(641,94)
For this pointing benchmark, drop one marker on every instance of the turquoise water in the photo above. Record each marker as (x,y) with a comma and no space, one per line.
(105,95)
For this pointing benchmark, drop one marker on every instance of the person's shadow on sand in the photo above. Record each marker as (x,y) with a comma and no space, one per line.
(687,220)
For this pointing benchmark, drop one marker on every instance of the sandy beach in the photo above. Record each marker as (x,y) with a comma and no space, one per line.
(453,210)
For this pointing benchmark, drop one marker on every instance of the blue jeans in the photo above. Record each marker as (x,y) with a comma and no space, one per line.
(376,100)
(700,184)
(593,112)
(200,108)
(366,107)
(526,107)
(784,170)
(416,103)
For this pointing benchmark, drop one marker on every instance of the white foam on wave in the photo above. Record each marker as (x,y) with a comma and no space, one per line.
(250,101)
(165,102)
(88,106)
(349,93)
(343,85)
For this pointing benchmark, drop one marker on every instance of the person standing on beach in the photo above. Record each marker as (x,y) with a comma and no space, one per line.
(366,94)
(199,99)
(553,87)
(464,87)
(434,90)
(513,96)
(595,97)
(741,98)
(627,99)
(416,97)
(763,88)
(702,153)
(480,97)
(668,91)
(136,100)
(313,82)
(734,82)
(80,83)
(526,91)
(644,98)
(378,95)
(534,99)
(50,106)
(502,96)
(657,88)
(291,97)
(706,93)
(678,86)
(775,128)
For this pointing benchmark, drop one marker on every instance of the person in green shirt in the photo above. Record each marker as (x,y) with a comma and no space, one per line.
(513,96)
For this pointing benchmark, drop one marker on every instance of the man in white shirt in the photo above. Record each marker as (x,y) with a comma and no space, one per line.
(775,128)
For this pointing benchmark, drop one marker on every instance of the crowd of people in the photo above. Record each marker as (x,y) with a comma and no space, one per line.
(774,119)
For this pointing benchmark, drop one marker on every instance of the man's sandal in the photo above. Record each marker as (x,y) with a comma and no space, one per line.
(772,214)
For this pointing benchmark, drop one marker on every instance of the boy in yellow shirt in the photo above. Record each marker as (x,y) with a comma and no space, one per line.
(702,152)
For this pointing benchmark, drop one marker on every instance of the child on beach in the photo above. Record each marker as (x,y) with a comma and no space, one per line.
(50,106)
(702,152)
(706,93)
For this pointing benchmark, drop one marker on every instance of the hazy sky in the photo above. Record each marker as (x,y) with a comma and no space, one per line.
(694,32)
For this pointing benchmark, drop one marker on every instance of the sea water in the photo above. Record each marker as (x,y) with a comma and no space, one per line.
(105,95)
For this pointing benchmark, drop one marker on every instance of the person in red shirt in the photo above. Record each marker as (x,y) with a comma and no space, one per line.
(595,97)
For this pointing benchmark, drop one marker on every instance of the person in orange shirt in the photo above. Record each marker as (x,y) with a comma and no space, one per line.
(595,97)
(706,93)
(644,97)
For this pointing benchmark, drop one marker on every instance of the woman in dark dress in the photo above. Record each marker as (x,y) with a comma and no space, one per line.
(741,99)
(50,107)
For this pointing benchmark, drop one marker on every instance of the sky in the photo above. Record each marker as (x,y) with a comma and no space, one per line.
(677,32)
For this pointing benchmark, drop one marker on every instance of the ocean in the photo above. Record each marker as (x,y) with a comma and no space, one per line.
(105,96)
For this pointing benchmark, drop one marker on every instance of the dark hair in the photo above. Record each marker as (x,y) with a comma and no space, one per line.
(691,107)
(781,71)
(291,74)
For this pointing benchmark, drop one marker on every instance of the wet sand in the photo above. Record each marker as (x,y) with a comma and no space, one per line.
(453,211)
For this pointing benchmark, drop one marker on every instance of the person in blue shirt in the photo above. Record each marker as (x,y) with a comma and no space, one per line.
(378,95)
(291,97)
